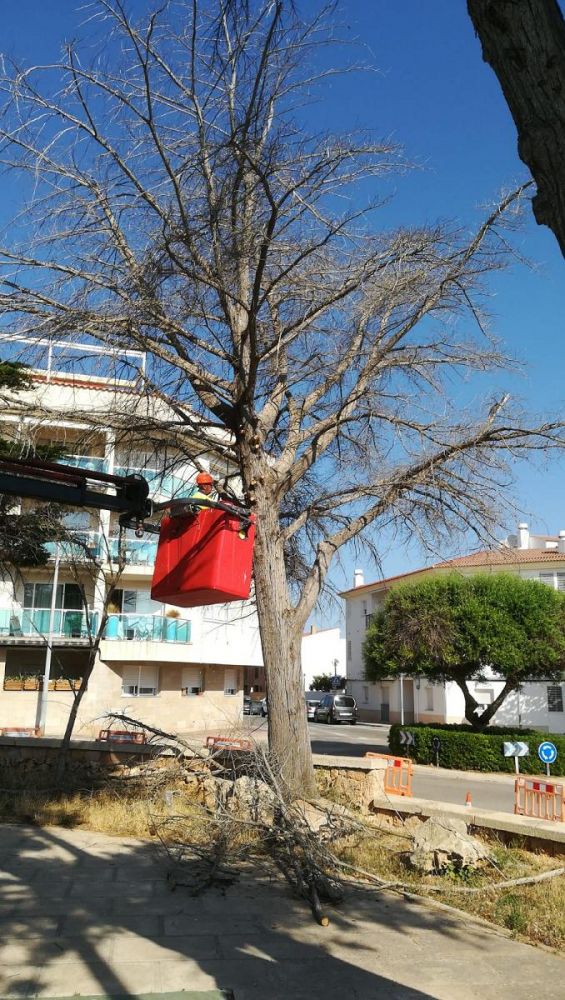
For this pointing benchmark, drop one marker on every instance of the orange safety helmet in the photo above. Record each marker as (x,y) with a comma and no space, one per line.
(204,479)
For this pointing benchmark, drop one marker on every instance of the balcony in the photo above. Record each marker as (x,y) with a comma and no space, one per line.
(137,551)
(33,623)
(90,462)
(161,485)
(74,625)
(86,545)
(147,628)
(82,546)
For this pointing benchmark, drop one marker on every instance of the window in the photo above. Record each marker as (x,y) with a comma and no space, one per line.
(192,681)
(140,602)
(140,682)
(484,696)
(368,620)
(230,681)
(429,698)
(554,698)
(38,595)
(365,694)
(349,649)
(555,580)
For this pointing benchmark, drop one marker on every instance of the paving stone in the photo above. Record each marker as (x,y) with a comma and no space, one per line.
(118,936)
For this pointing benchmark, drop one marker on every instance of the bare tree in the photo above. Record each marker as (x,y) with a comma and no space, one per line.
(181,202)
(524,43)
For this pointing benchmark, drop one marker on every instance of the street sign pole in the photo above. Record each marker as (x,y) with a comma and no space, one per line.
(517,765)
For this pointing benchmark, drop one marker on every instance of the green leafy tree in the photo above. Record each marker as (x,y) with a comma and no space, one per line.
(453,628)
(321,682)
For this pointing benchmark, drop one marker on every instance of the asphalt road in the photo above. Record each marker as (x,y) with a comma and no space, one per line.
(496,792)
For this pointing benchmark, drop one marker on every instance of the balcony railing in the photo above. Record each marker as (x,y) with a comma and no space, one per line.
(87,545)
(137,551)
(83,545)
(33,623)
(160,484)
(147,628)
(91,462)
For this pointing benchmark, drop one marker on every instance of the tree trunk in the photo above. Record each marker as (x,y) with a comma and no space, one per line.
(480,721)
(524,42)
(281,640)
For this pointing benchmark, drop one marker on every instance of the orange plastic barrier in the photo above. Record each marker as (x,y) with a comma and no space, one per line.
(226,743)
(540,799)
(398,774)
(120,736)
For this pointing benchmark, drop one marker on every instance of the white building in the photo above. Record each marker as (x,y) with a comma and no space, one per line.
(539,705)
(323,652)
(177,669)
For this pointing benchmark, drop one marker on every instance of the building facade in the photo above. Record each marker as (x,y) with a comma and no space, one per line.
(177,669)
(322,652)
(539,704)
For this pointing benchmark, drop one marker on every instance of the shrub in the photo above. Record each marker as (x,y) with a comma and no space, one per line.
(465,750)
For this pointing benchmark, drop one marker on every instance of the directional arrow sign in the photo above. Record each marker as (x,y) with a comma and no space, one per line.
(515,749)
(407,739)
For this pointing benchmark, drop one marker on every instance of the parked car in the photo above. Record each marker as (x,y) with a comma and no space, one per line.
(336,708)
(251,707)
(264,707)
(313,699)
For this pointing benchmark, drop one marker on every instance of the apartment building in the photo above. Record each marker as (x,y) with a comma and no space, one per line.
(540,705)
(178,669)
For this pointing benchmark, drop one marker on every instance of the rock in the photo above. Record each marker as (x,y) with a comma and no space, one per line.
(440,843)
(252,799)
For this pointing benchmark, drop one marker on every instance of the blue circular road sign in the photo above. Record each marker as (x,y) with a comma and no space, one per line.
(547,752)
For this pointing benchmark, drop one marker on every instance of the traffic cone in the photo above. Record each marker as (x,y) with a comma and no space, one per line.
(468,802)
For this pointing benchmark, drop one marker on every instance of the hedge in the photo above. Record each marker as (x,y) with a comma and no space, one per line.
(465,750)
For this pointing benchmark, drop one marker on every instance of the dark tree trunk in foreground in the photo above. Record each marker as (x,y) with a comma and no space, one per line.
(524,43)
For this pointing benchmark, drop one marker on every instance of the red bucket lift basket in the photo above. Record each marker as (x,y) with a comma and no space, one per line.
(205,558)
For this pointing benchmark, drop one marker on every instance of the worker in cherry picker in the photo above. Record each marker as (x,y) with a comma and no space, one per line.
(205,489)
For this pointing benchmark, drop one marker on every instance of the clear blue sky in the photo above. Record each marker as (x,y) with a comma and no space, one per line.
(433,94)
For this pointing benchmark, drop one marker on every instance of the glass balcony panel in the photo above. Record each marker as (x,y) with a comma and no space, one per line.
(90,462)
(83,546)
(147,628)
(137,551)
(33,623)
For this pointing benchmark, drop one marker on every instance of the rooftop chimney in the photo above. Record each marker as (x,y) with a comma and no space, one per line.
(358,578)
(561,542)
(523,536)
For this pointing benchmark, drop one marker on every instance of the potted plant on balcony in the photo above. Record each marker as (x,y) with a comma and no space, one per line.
(171,624)
(67,683)
(112,630)
(31,683)
(13,683)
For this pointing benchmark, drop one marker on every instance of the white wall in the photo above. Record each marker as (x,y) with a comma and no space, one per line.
(323,652)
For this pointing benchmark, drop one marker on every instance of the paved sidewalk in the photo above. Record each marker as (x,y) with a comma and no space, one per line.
(86,914)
